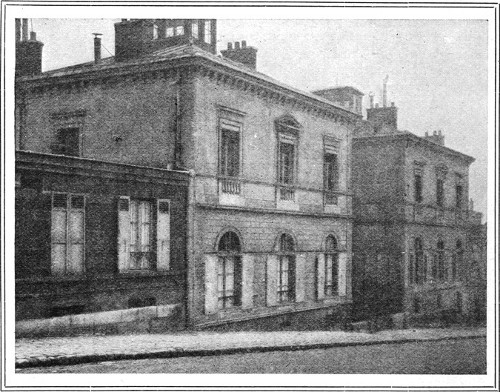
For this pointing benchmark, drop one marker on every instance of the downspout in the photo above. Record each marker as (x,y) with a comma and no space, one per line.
(190,262)
(178,164)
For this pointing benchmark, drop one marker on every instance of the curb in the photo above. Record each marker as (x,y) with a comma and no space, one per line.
(177,353)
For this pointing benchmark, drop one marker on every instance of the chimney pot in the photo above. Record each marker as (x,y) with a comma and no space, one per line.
(392,104)
(237,45)
(229,46)
(434,133)
(97,48)
(426,134)
(243,44)
(32,36)
(376,105)
(439,132)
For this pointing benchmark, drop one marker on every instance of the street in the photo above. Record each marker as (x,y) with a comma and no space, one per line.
(463,356)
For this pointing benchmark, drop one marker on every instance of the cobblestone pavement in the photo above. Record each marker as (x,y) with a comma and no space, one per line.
(91,348)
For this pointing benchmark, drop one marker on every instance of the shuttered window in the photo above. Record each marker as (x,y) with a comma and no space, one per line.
(229,271)
(331,267)
(441,265)
(67,233)
(286,270)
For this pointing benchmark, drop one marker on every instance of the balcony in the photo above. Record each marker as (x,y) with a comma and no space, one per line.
(286,198)
(230,191)
(230,186)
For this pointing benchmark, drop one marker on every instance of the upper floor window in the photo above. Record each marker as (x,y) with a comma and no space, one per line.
(67,142)
(288,131)
(418,186)
(208,32)
(194,30)
(457,260)
(286,268)
(441,266)
(155,32)
(179,30)
(459,195)
(418,267)
(331,266)
(230,150)
(68,233)
(440,192)
(169,32)
(330,169)
(229,271)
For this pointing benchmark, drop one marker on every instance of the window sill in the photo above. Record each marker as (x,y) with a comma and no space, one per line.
(331,209)
(290,205)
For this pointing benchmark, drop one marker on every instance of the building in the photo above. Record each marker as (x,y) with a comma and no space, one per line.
(412,221)
(269,234)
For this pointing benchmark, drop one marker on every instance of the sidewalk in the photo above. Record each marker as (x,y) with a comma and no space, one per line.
(85,349)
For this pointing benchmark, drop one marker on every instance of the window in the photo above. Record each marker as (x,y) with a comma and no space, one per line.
(459,191)
(287,132)
(179,30)
(68,233)
(440,192)
(331,177)
(155,32)
(194,30)
(457,260)
(418,267)
(229,271)
(286,270)
(143,234)
(67,142)
(418,186)
(229,158)
(441,268)
(169,32)
(331,267)
(208,32)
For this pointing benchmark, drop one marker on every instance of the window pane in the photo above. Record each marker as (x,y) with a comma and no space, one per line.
(75,226)
(58,226)
(75,262)
(194,30)
(331,172)
(58,258)
(169,32)
(418,188)
(230,153)
(179,30)
(287,152)
(208,32)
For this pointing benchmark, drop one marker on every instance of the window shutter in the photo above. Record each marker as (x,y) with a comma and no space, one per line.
(320,276)
(247,282)
(300,276)
(163,236)
(211,284)
(123,232)
(343,289)
(272,280)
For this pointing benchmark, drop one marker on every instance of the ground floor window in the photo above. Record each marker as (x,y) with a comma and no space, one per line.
(229,271)
(286,275)
(331,267)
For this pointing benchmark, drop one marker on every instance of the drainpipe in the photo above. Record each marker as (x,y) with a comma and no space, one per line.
(191,262)
(178,164)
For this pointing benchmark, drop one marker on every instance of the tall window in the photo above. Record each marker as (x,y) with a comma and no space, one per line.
(169,32)
(230,156)
(67,237)
(229,271)
(155,32)
(418,269)
(286,169)
(331,267)
(418,186)
(286,276)
(67,142)
(440,192)
(459,190)
(331,176)
(457,260)
(194,30)
(140,234)
(441,267)
(208,31)
(179,30)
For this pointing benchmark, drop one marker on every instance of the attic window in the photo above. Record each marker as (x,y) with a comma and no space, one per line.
(155,32)
(194,30)
(169,32)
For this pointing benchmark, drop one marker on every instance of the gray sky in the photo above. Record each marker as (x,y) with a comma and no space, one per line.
(437,68)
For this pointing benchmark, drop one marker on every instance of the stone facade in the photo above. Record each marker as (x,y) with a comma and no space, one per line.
(182,107)
(412,219)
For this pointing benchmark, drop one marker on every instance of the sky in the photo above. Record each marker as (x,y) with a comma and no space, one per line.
(438,69)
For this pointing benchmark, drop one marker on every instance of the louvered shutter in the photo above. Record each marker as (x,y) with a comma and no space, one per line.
(247,282)
(163,236)
(320,274)
(211,284)
(272,280)
(300,277)
(123,232)
(343,279)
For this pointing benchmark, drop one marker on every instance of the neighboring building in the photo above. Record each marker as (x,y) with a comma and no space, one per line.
(412,219)
(269,238)
(96,236)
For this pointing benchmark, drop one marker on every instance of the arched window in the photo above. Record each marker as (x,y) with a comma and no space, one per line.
(457,260)
(441,267)
(229,271)
(286,257)
(331,266)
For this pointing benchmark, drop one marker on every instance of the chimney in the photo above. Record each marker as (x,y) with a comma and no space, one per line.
(384,96)
(436,137)
(246,55)
(371,95)
(28,52)
(384,119)
(97,48)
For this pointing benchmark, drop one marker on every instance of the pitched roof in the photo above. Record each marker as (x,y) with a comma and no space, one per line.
(178,52)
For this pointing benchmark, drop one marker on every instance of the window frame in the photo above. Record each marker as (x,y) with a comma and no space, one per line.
(150,255)
(287,133)
(229,120)
(441,261)
(68,208)
(332,274)
(226,258)
(286,290)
